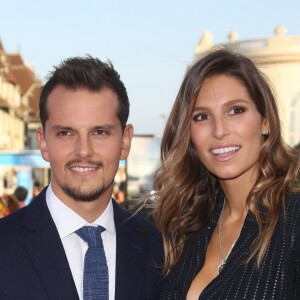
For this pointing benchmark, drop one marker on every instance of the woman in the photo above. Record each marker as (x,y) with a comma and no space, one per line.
(226,203)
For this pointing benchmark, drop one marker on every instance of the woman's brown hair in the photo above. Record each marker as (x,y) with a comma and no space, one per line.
(186,192)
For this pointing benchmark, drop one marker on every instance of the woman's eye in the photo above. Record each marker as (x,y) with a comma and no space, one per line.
(236,110)
(201,117)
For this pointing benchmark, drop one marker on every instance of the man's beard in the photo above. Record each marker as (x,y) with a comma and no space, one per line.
(83,196)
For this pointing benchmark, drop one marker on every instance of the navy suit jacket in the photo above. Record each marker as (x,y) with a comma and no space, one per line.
(33,263)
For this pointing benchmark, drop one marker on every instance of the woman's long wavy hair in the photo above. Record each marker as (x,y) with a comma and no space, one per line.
(186,192)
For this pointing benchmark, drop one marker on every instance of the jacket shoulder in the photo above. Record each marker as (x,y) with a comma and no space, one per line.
(138,223)
(11,223)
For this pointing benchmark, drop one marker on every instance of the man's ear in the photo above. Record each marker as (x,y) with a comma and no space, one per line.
(126,143)
(40,137)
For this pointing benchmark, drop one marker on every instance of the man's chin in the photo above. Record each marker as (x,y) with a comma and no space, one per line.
(83,196)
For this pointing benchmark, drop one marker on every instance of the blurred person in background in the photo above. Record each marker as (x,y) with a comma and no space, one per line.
(8,204)
(12,203)
(4,211)
(21,193)
(35,191)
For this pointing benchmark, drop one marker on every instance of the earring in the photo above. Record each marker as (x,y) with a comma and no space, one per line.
(265,135)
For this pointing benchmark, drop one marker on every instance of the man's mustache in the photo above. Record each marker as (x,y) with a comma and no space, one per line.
(89,162)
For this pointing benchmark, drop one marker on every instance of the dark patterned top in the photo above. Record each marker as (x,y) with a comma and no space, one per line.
(278,277)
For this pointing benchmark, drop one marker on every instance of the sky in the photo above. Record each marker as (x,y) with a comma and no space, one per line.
(150,43)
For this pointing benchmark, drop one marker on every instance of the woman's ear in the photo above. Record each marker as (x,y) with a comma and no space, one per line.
(265,129)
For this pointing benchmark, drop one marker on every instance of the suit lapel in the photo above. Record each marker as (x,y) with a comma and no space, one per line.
(130,257)
(46,251)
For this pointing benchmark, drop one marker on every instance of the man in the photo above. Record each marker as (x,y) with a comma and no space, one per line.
(43,251)
(21,193)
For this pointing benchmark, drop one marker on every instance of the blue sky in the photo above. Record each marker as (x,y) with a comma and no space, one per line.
(150,43)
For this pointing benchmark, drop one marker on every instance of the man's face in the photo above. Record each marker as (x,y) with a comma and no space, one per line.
(83,141)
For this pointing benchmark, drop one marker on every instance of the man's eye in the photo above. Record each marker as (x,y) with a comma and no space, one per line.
(101,132)
(201,117)
(236,110)
(64,133)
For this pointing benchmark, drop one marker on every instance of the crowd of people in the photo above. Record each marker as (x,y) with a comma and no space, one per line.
(12,202)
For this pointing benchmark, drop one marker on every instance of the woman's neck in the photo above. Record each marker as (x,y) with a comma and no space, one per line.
(236,194)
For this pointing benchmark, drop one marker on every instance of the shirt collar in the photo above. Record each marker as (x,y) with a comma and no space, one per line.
(67,221)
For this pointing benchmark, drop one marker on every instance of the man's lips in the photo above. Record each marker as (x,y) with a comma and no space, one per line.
(80,166)
(83,169)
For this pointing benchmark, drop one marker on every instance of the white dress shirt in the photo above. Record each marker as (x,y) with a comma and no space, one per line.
(67,222)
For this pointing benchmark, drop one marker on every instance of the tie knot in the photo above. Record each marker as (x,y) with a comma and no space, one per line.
(91,235)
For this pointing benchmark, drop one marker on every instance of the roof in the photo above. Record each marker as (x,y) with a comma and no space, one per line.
(16,71)
(19,73)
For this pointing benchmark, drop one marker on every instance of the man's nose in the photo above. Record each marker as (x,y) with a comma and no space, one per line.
(83,147)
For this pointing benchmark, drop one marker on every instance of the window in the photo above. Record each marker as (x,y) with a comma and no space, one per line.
(294,132)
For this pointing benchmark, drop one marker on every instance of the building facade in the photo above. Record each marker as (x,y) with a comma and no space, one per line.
(19,96)
(279,58)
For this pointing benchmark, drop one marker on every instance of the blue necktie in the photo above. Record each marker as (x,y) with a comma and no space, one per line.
(95,275)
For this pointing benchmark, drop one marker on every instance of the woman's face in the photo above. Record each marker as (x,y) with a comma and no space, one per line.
(226,128)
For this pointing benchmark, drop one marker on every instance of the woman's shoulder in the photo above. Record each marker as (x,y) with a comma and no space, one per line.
(292,206)
(293,218)
(292,211)
(293,200)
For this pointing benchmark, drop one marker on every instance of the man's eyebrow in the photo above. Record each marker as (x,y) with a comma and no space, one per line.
(57,127)
(105,126)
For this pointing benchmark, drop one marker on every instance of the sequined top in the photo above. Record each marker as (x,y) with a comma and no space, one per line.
(277,278)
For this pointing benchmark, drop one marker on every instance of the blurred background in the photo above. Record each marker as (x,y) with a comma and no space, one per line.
(151,44)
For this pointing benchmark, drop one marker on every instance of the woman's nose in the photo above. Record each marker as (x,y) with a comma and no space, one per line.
(221,128)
